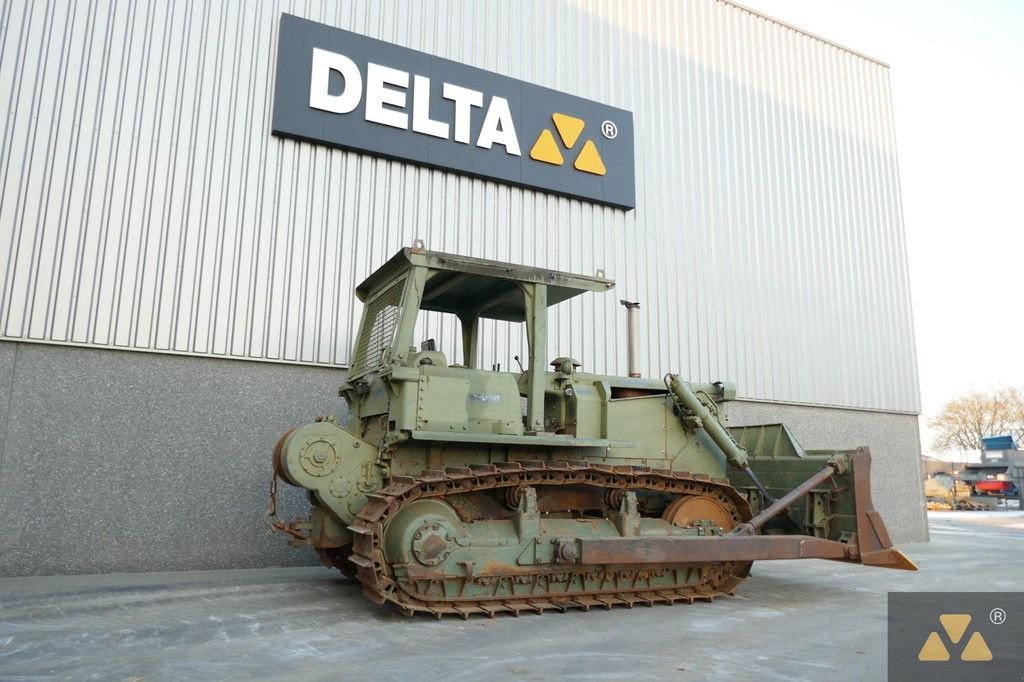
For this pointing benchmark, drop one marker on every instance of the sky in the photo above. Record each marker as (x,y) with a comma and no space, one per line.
(957,76)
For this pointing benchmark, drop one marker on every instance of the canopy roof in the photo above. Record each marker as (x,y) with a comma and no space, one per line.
(464,285)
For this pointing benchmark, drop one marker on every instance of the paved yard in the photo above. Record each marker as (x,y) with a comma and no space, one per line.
(808,620)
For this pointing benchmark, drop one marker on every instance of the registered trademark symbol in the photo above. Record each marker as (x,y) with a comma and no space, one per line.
(609,130)
(997,616)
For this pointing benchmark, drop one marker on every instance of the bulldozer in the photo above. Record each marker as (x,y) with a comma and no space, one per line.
(451,489)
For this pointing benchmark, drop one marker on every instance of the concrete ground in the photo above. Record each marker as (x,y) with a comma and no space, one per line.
(795,620)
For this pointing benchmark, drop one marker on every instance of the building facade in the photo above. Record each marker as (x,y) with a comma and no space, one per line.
(177,281)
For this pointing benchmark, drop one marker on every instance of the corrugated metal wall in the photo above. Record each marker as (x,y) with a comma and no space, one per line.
(145,205)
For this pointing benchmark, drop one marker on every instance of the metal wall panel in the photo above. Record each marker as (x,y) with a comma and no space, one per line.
(145,205)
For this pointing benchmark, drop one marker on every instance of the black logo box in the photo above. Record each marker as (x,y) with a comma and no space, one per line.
(997,616)
(531,107)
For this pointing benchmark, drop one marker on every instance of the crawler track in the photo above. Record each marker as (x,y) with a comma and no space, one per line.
(547,587)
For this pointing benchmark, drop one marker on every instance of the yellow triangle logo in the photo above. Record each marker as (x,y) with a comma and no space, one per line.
(955,625)
(589,161)
(545,149)
(569,128)
(976,649)
(933,649)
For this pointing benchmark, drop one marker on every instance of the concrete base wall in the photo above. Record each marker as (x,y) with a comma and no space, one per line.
(115,461)
(126,461)
(896,480)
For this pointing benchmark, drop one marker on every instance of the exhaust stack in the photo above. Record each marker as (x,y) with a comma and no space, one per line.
(632,311)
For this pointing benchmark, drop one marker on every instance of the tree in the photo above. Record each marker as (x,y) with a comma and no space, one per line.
(965,420)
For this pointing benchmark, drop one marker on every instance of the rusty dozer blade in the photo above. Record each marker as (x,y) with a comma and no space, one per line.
(873,541)
(830,516)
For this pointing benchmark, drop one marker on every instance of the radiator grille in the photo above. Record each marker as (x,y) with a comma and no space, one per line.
(378,330)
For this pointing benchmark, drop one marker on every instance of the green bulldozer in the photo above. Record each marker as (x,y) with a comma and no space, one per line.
(453,489)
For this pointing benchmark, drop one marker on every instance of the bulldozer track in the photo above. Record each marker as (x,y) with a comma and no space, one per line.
(535,591)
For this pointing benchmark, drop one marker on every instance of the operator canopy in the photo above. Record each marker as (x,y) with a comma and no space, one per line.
(474,286)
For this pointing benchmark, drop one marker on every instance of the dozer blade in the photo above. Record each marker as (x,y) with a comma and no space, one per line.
(828,516)
(875,547)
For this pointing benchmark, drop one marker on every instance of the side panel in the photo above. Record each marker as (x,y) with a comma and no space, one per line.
(661,440)
(442,403)
(467,401)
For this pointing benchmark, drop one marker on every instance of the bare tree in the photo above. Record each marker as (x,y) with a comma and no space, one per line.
(965,420)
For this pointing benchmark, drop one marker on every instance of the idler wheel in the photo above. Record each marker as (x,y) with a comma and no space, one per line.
(432,542)
(424,532)
(686,511)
